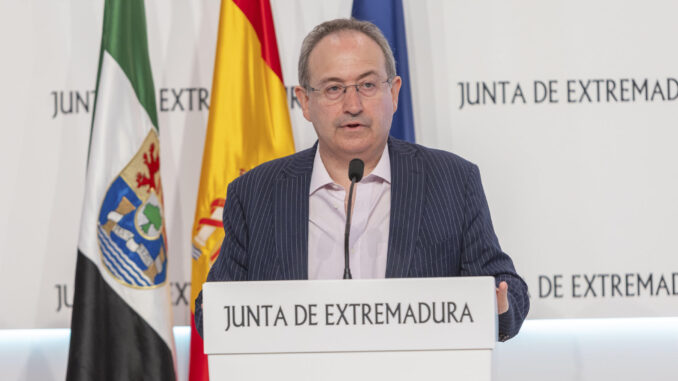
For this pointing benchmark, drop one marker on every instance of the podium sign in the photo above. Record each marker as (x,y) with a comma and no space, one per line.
(384,328)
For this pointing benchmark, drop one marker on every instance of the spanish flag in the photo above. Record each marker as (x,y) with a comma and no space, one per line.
(248,125)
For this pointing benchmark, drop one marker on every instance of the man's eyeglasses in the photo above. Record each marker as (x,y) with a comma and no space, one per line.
(335,91)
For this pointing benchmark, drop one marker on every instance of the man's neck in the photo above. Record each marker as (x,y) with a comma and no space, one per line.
(337,166)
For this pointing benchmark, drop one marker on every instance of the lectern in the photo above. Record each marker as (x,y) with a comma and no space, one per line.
(381,329)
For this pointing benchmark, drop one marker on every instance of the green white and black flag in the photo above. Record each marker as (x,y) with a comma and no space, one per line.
(121,327)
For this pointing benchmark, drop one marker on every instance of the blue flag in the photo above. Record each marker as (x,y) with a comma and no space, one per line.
(388,16)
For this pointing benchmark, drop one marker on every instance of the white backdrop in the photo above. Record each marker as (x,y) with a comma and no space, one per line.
(582,187)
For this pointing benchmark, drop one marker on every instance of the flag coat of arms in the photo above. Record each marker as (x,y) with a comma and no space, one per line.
(121,328)
(248,124)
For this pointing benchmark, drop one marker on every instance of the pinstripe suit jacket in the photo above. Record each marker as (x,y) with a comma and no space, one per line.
(440,225)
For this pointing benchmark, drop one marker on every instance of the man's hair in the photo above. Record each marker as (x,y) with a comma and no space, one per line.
(334,26)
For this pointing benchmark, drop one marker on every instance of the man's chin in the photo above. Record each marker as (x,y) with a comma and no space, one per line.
(358,148)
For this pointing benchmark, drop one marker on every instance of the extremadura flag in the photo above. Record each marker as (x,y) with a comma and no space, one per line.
(121,328)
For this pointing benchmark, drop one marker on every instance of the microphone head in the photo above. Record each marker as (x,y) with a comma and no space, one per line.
(355,170)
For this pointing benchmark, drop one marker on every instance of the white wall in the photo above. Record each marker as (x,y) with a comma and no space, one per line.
(578,190)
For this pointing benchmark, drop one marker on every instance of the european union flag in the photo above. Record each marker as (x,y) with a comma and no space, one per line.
(388,16)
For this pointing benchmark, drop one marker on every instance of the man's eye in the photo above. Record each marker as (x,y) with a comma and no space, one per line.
(369,85)
(332,89)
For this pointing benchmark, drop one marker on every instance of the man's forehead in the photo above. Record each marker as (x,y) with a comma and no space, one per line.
(358,48)
(346,36)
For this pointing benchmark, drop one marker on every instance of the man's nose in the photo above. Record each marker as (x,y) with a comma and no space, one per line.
(353,103)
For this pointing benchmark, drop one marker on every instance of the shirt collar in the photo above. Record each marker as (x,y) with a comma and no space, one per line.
(321,178)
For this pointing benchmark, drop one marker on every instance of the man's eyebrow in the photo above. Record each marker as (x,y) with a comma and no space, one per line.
(337,79)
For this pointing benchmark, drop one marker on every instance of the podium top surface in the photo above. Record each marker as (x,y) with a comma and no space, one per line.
(349,315)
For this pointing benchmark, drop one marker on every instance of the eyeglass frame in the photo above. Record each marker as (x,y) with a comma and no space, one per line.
(345,88)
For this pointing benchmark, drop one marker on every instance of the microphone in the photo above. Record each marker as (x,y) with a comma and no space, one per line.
(355,173)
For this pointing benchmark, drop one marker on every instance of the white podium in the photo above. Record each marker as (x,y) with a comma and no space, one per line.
(382,329)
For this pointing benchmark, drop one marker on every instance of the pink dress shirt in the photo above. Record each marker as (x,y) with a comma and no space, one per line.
(368,243)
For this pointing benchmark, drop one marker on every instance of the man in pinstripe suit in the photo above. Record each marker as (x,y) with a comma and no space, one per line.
(418,212)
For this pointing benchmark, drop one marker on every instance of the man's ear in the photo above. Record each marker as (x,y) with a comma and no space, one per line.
(395,91)
(302,96)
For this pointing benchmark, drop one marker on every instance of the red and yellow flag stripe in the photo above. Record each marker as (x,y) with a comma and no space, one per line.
(248,124)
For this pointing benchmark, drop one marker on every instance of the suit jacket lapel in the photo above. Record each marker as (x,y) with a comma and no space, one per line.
(291,215)
(407,199)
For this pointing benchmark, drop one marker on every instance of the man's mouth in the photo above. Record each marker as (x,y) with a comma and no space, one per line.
(352,125)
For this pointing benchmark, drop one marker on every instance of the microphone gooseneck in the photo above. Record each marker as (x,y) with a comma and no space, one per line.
(355,173)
